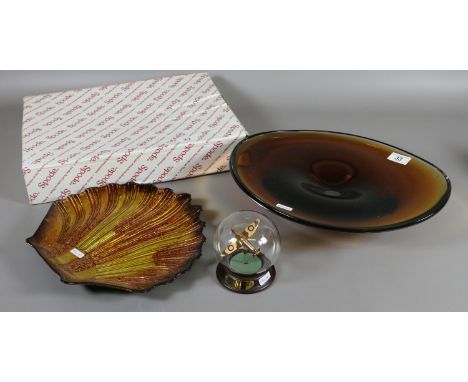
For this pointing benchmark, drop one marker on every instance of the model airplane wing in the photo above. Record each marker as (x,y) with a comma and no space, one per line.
(251,228)
(231,248)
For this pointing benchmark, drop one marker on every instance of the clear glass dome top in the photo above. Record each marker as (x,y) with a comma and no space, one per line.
(247,242)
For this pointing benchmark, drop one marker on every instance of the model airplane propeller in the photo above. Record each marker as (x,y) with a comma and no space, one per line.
(242,240)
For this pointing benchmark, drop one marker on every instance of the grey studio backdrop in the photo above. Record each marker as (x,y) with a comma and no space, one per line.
(420,268)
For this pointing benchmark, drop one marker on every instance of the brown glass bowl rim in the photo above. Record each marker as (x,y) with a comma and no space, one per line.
(187,266)
(389,227)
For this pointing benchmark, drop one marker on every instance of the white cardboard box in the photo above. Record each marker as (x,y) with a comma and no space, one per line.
(144,131)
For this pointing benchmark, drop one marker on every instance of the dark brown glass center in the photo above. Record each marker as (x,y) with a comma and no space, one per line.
(338,180)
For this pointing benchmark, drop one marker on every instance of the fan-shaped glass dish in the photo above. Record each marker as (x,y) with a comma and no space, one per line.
(338,181)
(131,237)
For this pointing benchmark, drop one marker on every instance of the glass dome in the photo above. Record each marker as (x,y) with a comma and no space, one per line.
(247,243)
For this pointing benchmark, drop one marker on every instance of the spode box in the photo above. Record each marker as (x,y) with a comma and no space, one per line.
(143,131)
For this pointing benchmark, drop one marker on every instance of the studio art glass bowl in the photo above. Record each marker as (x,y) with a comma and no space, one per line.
(338,181)
(130,236)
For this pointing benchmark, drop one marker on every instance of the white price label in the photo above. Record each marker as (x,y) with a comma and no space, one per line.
(399,158)
(279,205)
(262,280)
(77,252)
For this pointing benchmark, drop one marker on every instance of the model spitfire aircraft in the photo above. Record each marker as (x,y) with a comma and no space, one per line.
(242,240)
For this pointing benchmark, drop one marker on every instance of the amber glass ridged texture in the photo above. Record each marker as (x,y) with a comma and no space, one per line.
(130,237)
(338,181)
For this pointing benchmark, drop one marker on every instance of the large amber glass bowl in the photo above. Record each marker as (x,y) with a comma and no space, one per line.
(129,237)
(338,181)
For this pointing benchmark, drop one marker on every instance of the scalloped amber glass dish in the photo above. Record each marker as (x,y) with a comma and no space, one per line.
(131,237)
(338,181)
